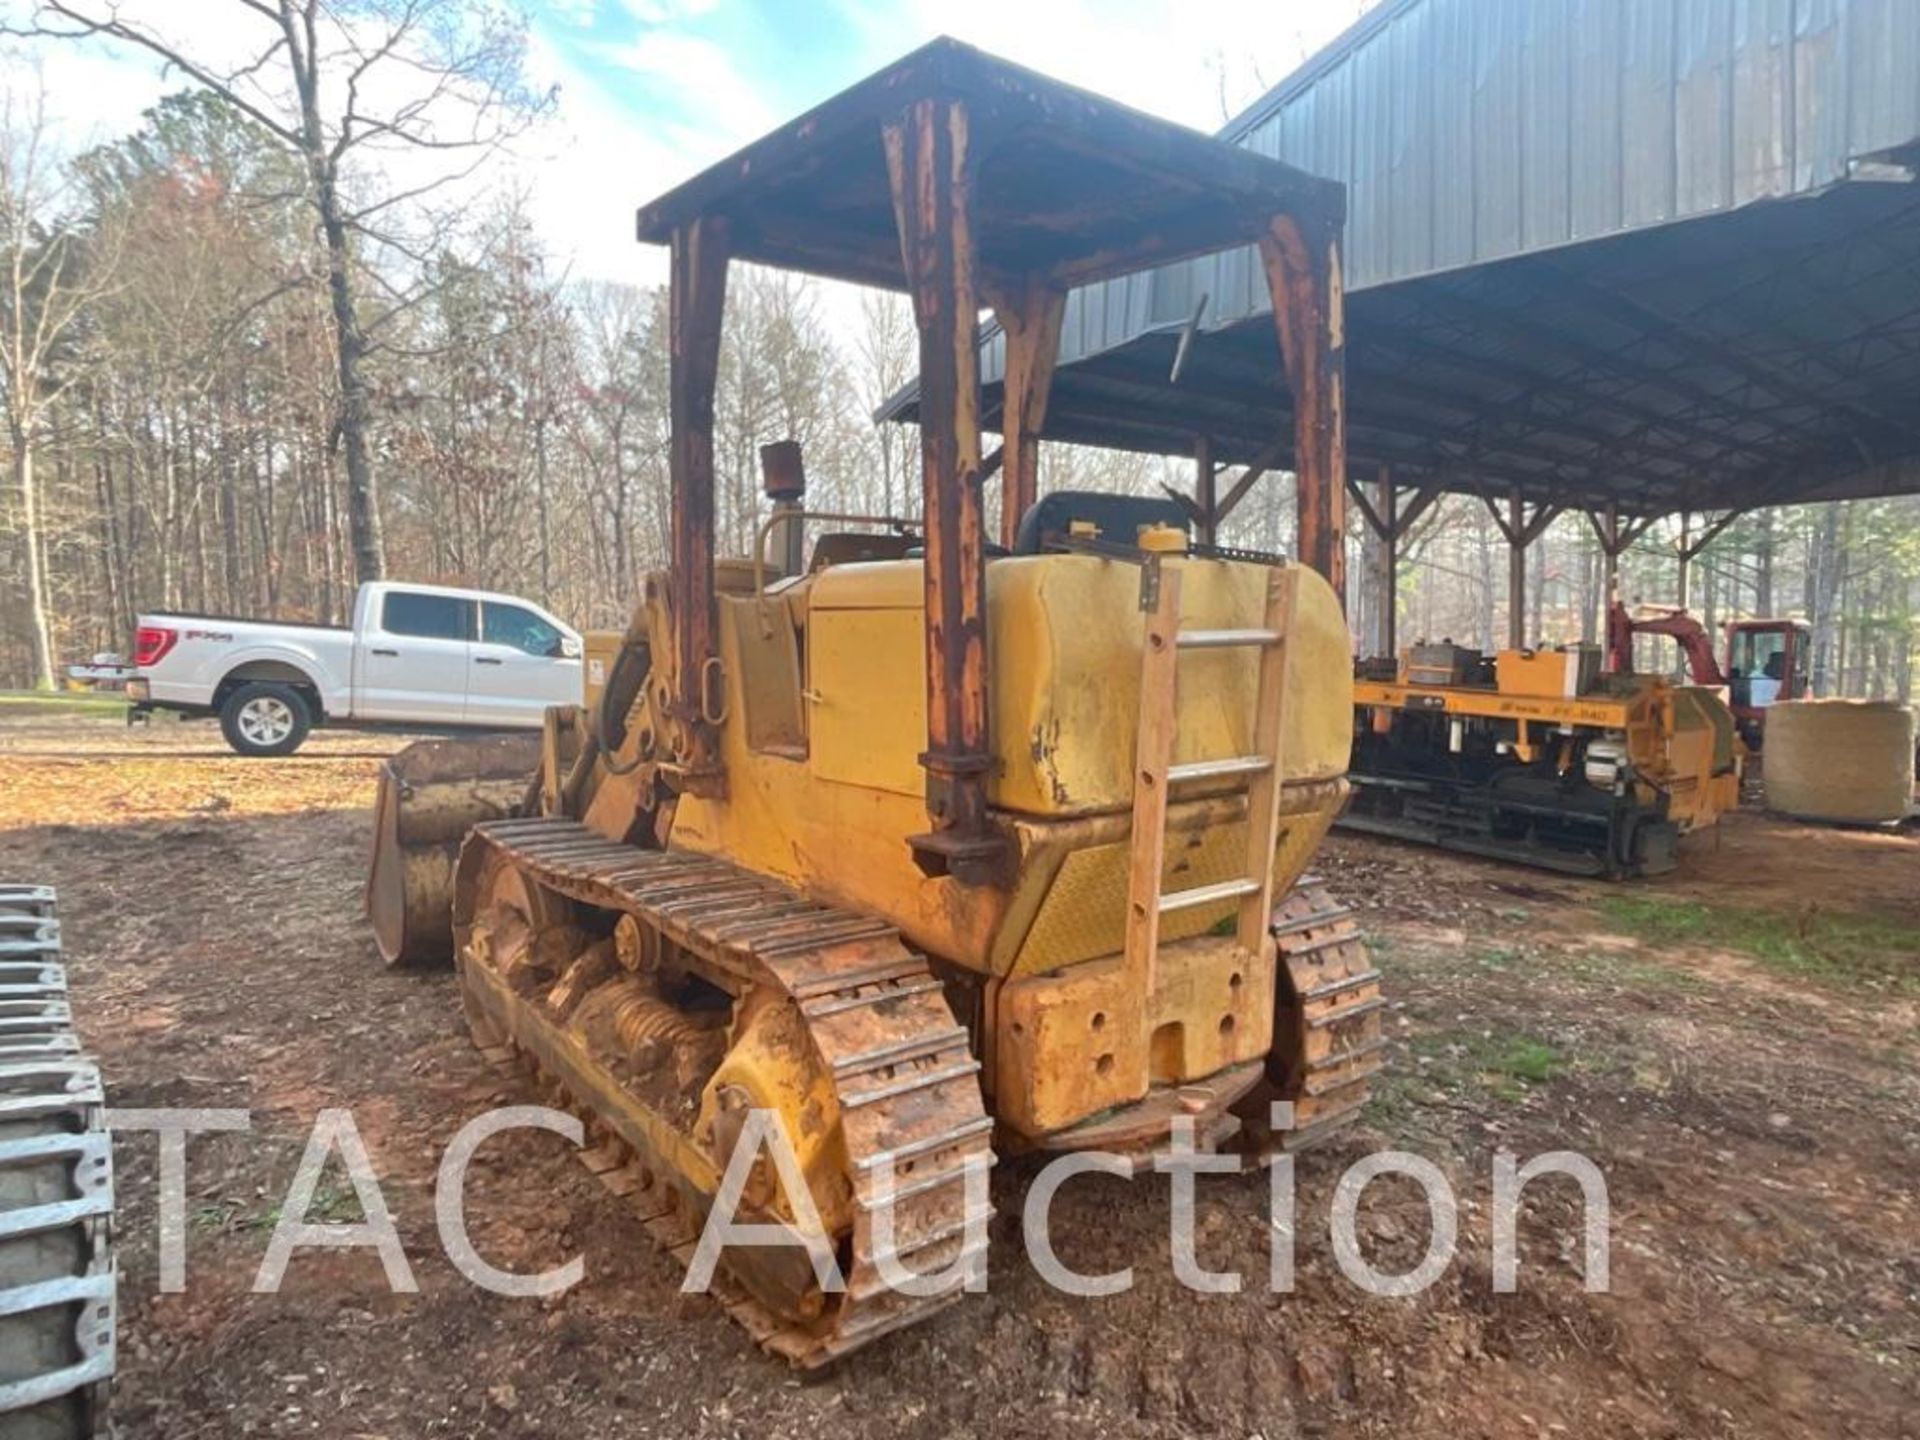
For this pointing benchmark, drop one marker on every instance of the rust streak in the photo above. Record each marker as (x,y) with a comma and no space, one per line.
(1303,275)
(931,174)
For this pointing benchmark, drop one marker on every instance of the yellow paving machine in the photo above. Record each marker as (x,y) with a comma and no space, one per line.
(1538,756)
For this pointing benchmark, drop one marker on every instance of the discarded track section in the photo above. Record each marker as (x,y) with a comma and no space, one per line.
(56,1191)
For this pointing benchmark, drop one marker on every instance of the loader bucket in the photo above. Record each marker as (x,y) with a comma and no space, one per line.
(431,794)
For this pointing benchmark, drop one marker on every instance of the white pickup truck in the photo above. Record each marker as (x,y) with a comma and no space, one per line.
(415,656)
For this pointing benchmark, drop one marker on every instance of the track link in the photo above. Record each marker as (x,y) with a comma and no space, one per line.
(57,1295)
(1327,1036)
(902,1070)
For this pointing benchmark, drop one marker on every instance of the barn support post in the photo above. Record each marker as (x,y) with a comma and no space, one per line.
(1683,576)
(1029,316)
(1520,530)
(1616,537)
(931,176)
(1302,267)
(1249,477)
(695,306)
(1390,522)
(1516,571)
(1610,548)
(1386,499)
(1206,479)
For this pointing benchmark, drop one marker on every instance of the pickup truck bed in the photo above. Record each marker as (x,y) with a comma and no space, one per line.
(242,620)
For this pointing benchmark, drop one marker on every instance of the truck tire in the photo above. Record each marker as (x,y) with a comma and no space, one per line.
(265,718)
(56,1195)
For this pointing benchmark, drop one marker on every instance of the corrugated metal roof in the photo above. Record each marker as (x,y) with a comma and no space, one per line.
(1473,130)
(1524,307)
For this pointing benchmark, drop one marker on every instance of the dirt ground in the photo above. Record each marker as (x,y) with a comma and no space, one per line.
(1734,1045)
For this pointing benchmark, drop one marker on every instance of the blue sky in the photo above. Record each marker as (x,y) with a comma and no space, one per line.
(651,91)
(772,58)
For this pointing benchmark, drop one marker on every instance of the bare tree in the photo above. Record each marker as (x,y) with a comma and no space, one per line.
(336,81)
(615,424)
(887,357)
(53,272)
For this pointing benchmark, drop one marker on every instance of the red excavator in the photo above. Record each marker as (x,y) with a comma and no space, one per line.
(1767,660)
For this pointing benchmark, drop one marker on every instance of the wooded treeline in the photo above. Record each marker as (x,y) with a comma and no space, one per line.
(190,450)
(190,457)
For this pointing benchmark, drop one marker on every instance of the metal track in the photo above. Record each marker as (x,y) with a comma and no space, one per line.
(902,1069)
(1612,839)
(1327,1033)
(57,1296)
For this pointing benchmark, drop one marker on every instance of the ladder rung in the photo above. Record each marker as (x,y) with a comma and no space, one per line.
(1220,639)
(1218,769)
(1207,894)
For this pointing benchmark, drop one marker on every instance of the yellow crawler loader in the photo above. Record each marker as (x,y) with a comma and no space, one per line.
(935,849)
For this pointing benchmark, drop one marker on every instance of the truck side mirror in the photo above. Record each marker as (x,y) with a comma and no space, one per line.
(569,647)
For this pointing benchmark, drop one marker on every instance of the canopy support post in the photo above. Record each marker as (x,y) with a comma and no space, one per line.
(1302,268)
(932,181)
(696,303)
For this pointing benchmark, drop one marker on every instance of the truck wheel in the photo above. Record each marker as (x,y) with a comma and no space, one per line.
(262,718)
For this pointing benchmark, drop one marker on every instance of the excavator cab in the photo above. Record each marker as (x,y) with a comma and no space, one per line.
(1767,662)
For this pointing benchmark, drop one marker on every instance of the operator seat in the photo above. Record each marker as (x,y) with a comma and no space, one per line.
(851,547)
(1118,518)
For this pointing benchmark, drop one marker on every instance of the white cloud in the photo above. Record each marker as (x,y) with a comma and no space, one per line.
(655,111)
(692,77)
(1173,58)
(658,108)
(1190,61)
(92,96)
(588,168)
(573,12)
(668,12)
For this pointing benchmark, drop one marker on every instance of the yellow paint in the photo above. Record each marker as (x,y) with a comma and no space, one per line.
(1606,712)
(1082,915)
(1539,672)
(772,1065)
(1064,646)
(1162,540)
(1065,654)
(1680,741)
(831,817)
(867,725)
(1704,770)
(1074,1044)
(602,648)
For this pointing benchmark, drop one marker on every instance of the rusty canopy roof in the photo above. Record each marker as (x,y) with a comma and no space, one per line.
(1066,183)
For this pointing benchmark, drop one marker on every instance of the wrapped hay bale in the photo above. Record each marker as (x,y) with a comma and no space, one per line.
(1849,761)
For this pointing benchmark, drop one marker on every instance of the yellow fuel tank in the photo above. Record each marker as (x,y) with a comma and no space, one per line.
(827,717)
